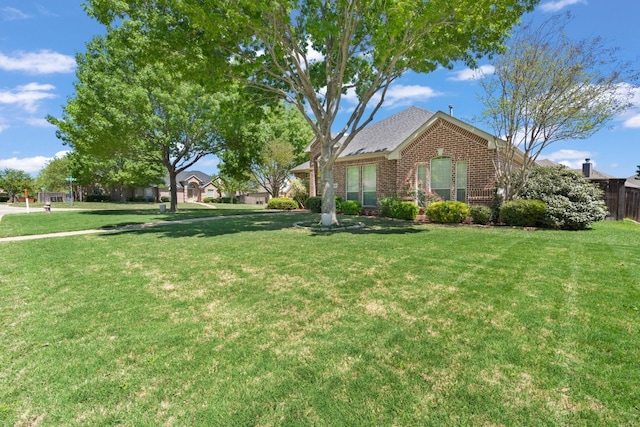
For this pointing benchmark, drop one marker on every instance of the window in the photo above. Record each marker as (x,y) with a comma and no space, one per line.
(353,183)
(461,181)
(210,193)
(369,185)
(421,177)
(441,177)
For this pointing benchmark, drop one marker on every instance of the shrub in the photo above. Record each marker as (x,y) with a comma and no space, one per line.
(282,203)
(4,199)
(351,207)
(480,214)
(339,202)
(314,204)
(405,210)
(448,212)
(207,200)
(573,202)
(229,200)
(98,198)
(165,199)
(393,207)
(523,213)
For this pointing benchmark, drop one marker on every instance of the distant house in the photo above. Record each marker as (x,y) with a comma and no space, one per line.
(192,186)
(414,148)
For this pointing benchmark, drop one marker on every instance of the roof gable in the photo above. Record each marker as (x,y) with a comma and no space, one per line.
(387,134)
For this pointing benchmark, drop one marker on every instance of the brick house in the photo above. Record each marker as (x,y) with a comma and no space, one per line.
(413,148)
(192,186)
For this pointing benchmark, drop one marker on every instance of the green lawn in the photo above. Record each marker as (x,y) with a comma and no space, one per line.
(249,321)
(86,216)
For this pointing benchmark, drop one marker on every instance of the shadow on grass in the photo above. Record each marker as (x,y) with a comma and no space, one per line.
(223,225)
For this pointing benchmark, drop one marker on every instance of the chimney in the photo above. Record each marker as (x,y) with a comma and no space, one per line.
(586,168)
(451,110)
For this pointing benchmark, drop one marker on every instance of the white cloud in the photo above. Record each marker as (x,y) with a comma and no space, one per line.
(27,97)
(38,122)
(397,96)
(13,14)
(632,122)
(472,74)
(554,6)
(570,158)
(27,164)
(42,62)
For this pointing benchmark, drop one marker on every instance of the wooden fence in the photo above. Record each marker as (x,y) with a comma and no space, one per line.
(622,202)
(632,204)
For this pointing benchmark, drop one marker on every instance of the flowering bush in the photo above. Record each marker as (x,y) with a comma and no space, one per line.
(573,203)
(422,197)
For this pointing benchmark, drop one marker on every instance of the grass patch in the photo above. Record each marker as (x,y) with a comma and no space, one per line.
(250,321)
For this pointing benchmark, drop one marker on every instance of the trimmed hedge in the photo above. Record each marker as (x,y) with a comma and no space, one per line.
(282,203)
(448,212)
(523,213)
(314,204)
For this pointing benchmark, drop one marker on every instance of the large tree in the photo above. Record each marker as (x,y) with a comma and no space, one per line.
(548,88)
(315,52)
(132,104)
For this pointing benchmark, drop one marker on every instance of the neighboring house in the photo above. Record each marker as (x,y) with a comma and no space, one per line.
(192,186)
(413,148)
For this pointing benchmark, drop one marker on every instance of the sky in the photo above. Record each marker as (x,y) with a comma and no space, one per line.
(39,41)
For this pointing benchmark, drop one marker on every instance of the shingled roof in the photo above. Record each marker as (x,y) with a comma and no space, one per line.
(185,175)
(387,134)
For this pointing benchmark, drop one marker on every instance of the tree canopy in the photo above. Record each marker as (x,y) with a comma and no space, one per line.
(14,182)
(547,88)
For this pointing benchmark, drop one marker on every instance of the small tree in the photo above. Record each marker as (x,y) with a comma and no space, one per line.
(547,88)
(15,181)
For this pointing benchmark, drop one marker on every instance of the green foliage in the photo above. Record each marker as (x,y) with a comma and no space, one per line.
(393,207)
(53,176)
(208,199)
(573,202)
(314,204)
(480,214)
(14,182)
(282,203)
(351,207)
(97,198)
(523,213)
(448,212)
(165,199)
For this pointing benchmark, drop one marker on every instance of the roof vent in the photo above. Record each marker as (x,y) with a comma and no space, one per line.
(451,110)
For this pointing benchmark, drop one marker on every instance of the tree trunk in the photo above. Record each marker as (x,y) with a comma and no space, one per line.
(173,185)
(328,195)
